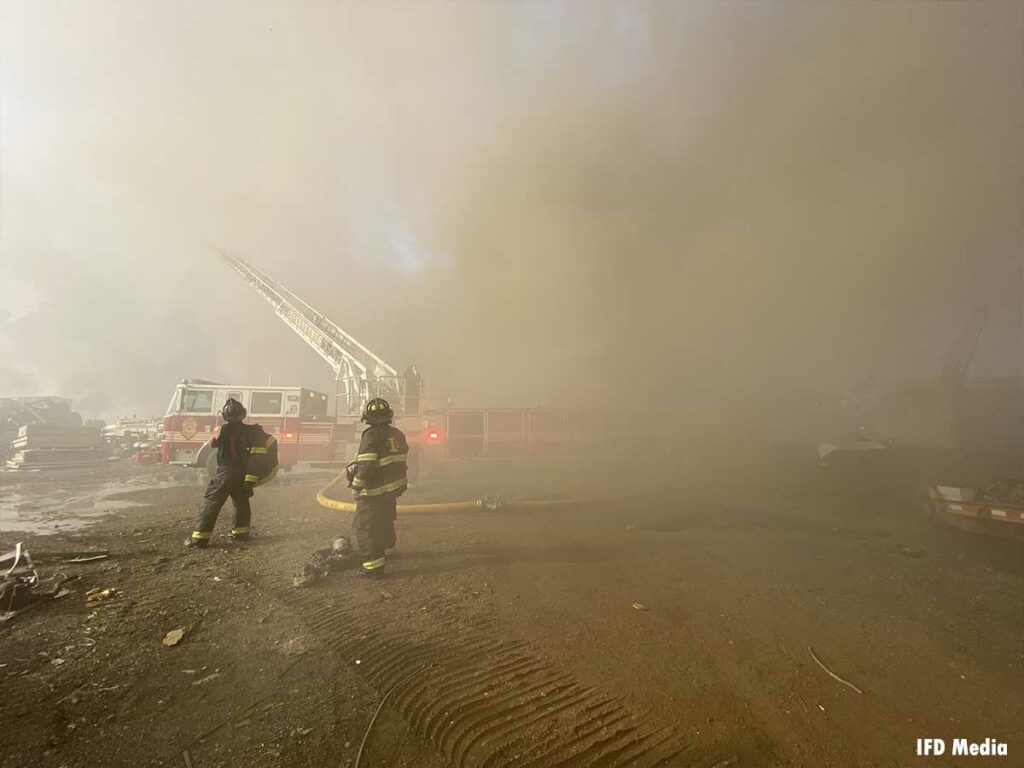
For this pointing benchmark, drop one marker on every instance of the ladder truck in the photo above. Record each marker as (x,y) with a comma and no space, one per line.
(359,373)
(461,434)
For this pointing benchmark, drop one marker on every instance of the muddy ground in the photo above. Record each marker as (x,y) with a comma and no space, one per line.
(673,631)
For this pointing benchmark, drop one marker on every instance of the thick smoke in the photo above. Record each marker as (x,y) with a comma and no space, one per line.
(730,211)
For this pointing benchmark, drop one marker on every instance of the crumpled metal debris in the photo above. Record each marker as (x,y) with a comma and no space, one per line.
(20,586)
(17,578)
(17,565)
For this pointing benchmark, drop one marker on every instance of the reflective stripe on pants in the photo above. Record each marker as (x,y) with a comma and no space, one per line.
(229,482)
(375,527)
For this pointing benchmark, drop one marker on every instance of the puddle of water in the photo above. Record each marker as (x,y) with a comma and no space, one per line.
(49,510)
(45,524)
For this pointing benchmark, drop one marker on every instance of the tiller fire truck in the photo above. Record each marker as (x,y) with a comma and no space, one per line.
(306,431)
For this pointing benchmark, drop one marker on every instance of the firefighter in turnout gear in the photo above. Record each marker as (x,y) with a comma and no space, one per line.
(246,457)
(377,477)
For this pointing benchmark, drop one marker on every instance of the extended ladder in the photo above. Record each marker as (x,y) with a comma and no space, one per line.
(359,373)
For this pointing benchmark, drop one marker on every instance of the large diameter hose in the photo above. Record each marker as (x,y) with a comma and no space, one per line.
(325,500)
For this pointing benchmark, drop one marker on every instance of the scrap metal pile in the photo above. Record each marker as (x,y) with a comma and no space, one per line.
(43,432)
(40,446)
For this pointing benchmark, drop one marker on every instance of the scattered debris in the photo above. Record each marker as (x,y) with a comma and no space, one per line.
(71,695)
(323,562)
(207,679)
(386,595)
(640,607)
(84,558)
(173,637)
(103,690)
(832,674)
(97,595)
(266,707)
(20,587)
(16,565)
(303,731)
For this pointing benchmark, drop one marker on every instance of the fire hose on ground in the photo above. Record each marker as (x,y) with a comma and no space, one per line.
(490,503)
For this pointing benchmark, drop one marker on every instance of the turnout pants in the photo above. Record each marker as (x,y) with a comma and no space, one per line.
(229,481)
(375,529)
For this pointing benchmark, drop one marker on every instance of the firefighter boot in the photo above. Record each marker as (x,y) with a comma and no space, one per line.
(371,569)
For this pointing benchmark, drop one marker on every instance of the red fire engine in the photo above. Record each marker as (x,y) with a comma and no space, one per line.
(305,432)
(296,416)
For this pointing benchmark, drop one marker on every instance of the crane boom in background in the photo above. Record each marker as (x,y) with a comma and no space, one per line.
(360,374)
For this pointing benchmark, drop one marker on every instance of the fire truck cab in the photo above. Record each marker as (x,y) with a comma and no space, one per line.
(296,416)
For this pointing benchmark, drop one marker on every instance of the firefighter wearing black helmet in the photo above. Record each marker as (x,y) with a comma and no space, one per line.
(234,440)
(377,477)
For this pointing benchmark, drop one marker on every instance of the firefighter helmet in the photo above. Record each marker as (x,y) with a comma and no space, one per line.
(233,410)
(377,411)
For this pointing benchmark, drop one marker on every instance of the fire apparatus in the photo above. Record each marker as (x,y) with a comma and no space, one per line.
(300,418)
(296,416)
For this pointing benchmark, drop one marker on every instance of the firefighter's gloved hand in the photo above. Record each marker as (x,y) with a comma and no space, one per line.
(249,491)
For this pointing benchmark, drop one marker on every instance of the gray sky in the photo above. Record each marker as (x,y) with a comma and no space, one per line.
(732,202)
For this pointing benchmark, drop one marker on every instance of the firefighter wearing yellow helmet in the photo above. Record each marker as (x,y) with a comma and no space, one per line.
(377,477)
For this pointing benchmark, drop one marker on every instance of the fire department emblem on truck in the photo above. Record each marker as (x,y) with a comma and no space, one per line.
(189,428)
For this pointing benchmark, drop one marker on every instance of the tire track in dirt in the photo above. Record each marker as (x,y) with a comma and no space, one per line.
(486,700)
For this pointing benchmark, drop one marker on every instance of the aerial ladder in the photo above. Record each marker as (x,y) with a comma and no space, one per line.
(958,360)
(359,373)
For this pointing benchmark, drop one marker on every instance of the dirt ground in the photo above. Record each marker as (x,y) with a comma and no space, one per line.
(674,631)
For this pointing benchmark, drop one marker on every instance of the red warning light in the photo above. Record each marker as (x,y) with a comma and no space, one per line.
(289,435)
(433,436)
